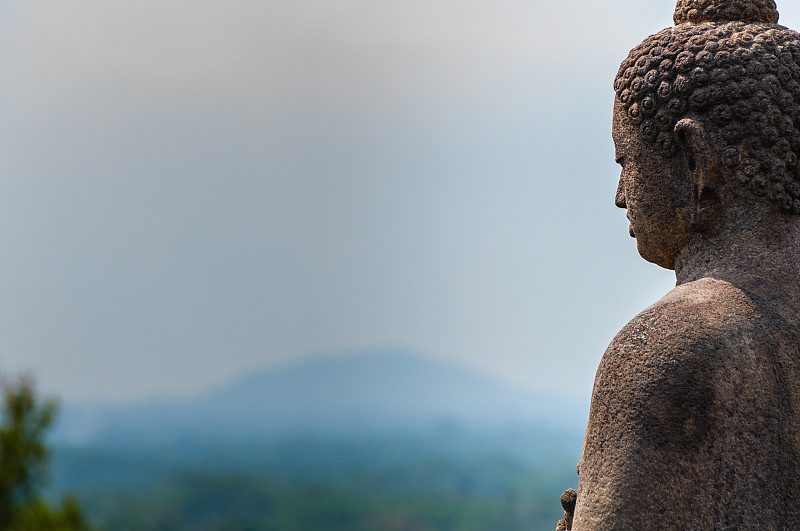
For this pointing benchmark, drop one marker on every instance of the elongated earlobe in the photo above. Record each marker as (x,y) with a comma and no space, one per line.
(693,145)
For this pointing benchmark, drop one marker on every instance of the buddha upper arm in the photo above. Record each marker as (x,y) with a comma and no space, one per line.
(651,408)
(656,387)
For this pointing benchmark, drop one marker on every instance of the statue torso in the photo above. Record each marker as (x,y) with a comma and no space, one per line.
(695,417)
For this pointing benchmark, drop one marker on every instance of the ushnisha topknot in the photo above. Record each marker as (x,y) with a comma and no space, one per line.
(748,11)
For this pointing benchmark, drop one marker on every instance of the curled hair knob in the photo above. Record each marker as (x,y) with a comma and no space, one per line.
(721,11)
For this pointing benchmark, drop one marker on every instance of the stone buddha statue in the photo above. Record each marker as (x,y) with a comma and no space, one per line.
(695,415)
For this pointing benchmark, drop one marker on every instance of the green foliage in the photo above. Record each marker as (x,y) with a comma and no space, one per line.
(23,454)
(38,516)
(23,465)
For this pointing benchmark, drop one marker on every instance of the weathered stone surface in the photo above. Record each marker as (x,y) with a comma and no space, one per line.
(568,500)
(698,11)
(695,416)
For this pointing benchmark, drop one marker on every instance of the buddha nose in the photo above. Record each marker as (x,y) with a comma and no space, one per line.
(619,199)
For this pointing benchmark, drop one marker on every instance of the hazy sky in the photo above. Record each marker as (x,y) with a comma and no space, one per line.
(191,189)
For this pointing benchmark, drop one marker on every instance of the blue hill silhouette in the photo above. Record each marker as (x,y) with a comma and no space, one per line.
(386,393)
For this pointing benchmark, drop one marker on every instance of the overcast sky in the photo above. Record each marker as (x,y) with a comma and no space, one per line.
(192,189)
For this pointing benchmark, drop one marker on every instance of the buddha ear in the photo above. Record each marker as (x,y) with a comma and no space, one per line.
(695,147)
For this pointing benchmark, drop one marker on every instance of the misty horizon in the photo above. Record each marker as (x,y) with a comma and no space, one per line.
(194,190)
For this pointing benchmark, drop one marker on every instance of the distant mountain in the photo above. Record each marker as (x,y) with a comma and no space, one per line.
(388,393)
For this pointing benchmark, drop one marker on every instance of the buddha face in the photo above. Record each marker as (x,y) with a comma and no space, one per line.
(656,191)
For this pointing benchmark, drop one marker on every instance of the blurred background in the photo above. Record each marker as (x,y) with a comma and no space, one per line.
(364,254)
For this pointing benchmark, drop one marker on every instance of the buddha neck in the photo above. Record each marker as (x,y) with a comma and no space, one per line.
(755,253)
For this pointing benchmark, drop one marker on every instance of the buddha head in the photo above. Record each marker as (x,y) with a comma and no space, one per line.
(707,113)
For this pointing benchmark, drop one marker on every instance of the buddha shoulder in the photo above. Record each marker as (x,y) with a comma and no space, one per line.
(686,325)
(666,361)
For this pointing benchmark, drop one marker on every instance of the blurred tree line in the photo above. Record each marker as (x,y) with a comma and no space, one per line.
(320,486)
(24,457)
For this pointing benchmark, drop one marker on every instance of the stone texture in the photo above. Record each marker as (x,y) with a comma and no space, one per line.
(568,500)
(695,415)
(698,11)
